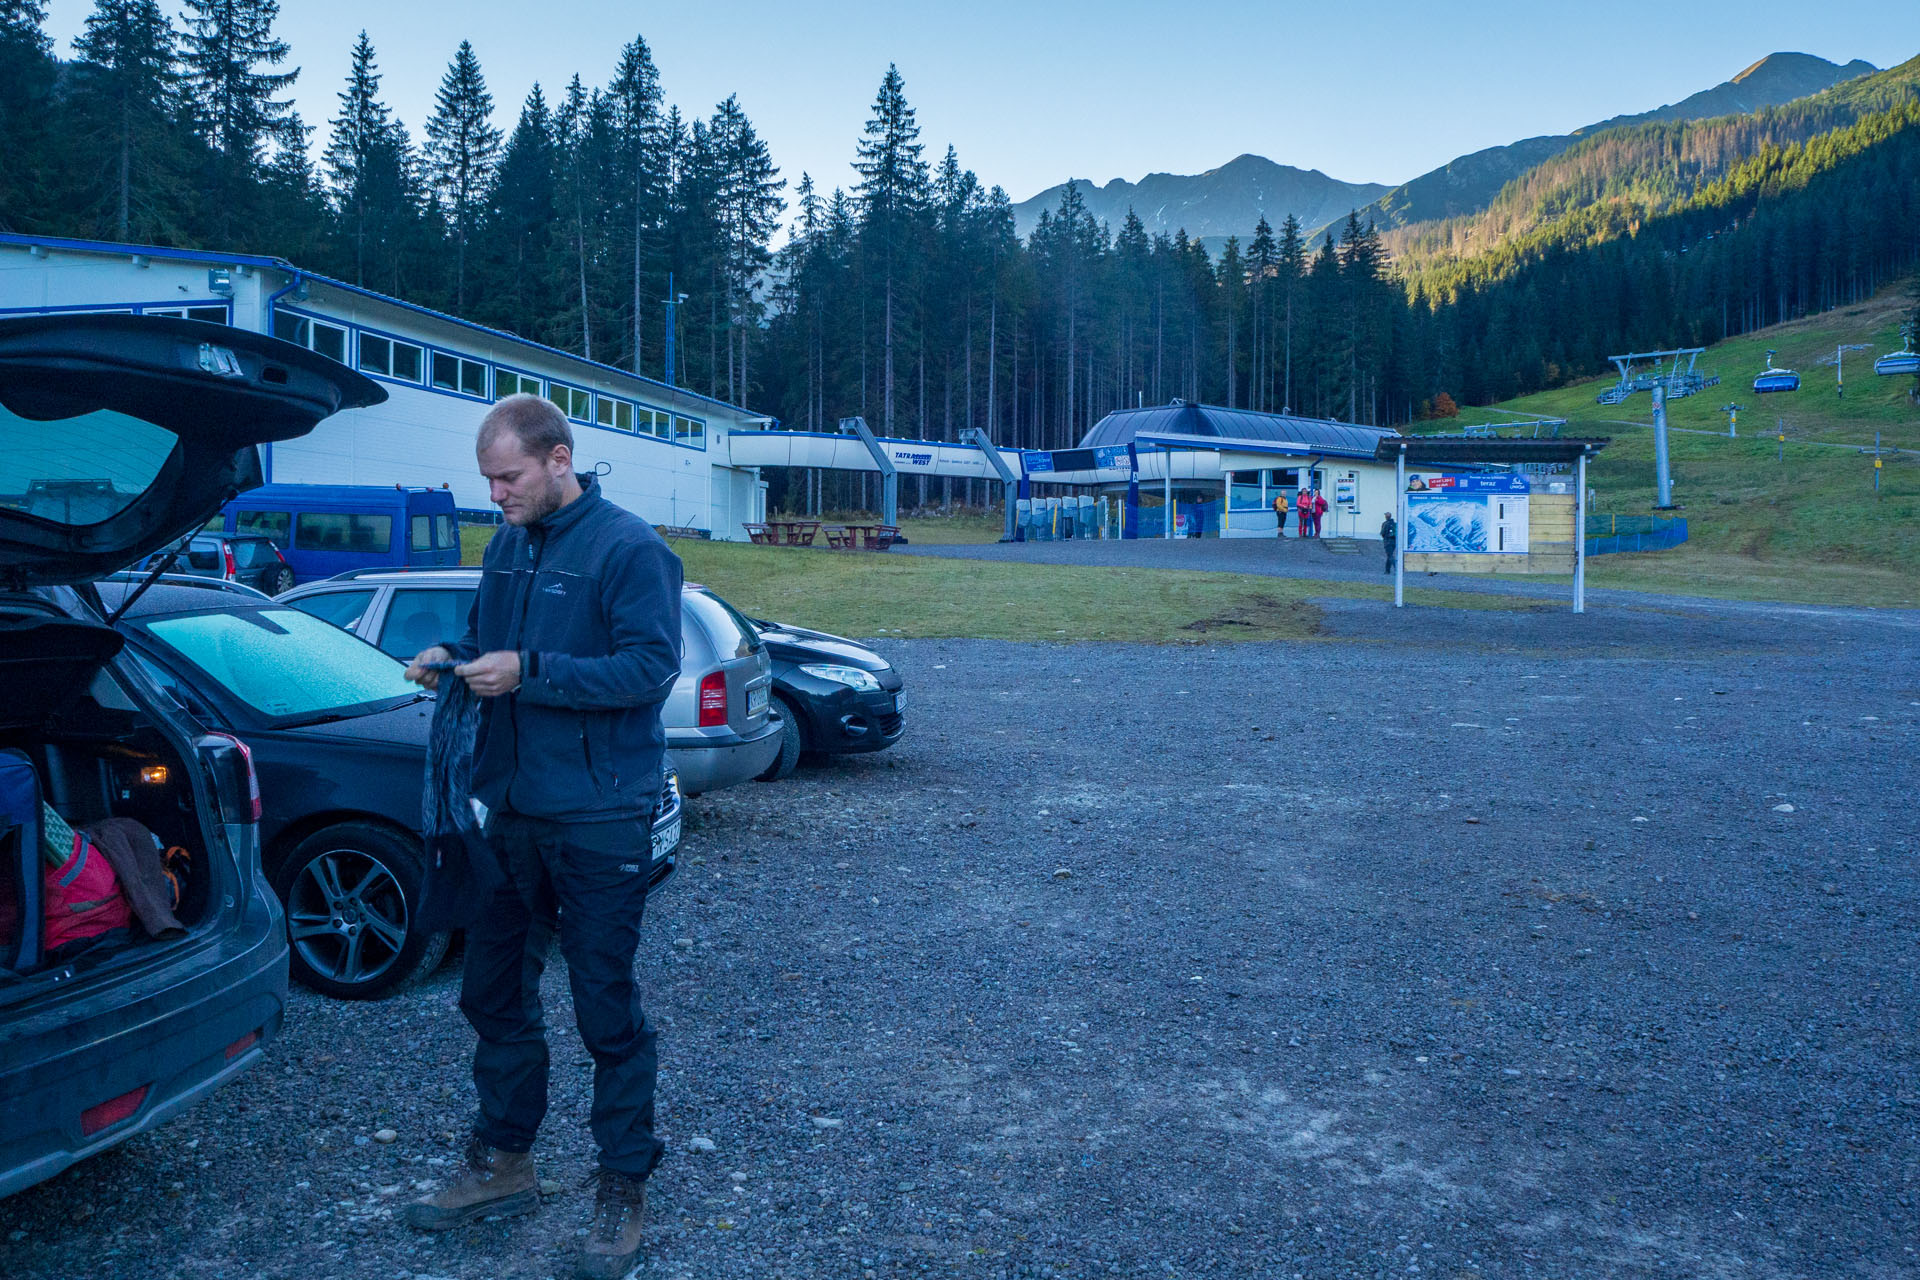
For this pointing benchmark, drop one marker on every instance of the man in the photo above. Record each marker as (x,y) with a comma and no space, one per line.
(1280,514)
(573,642)
(1389,535)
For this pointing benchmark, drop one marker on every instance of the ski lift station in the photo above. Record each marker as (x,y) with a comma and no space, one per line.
(686,461)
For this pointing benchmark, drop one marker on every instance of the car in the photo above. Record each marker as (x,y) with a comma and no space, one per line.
(837,697)
(125,434)
(325,529)
(339,741)
(249,559)
(721,729)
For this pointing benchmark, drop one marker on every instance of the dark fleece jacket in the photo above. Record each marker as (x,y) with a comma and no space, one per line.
(590,599)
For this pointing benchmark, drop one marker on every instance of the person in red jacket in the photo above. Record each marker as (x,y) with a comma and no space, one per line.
(1319,510)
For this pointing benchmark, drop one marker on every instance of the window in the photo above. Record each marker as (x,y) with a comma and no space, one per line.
(452,373)
(203,555)
(252,553)
(340,531)
(421,533)
(212,315)
(390,358)
(573,402)
(617,414)
(79,470)
(342,608)
(508,383)
(330,340)
(690,431)
(446,531)
(420,619)
(272,524)
(282,662)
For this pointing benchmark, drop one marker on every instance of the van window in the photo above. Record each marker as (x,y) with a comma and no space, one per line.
(448,532)
(420,619)
(343,609)
(269,524)
(340,531)
(422,533)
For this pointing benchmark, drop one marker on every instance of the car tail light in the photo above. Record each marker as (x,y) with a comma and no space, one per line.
(226,550)
(111,1112)
(276,552)
(713,699)
(238,786)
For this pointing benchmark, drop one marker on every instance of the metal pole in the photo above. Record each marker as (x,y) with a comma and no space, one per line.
(670,297)
(1166,489)
(1580,534)
(1400,523)
(1662,476)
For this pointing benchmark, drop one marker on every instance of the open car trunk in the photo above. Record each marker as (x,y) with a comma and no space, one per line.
(96,754)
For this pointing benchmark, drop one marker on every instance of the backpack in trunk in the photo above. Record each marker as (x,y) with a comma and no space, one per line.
(83,898)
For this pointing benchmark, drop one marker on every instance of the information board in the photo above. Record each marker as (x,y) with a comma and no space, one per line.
(1467,514)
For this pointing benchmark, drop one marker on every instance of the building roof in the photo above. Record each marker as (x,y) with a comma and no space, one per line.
(1315,435)
(71,245)
(1447,451)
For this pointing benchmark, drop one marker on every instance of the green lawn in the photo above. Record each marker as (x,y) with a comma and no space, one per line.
(865,594)
(1798,522)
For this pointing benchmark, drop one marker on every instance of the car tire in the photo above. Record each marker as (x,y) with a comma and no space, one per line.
(790,744)
(350,892)
(278,582)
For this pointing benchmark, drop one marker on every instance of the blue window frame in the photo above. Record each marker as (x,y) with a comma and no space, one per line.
(388,357)
(615,414)
(689,432)
(317,335)
(575,402)
(459,375)
(509,382)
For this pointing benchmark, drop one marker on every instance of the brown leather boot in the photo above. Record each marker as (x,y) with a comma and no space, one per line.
(619,1217)
(494,1183)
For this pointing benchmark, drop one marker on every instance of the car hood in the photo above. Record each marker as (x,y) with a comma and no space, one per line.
(127,433)
(798,644)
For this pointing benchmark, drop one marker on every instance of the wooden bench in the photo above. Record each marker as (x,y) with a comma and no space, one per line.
(757,532)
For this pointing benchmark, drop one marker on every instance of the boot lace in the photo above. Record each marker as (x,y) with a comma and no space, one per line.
(618,1197)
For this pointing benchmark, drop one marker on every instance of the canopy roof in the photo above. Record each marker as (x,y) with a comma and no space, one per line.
(1449,451)
(1318,435)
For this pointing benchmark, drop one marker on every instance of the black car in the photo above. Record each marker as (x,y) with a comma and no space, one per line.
(125,433)
(339,739)
(838,697)
(250,559)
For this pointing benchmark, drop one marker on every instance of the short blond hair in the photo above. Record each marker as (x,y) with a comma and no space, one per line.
(536,423)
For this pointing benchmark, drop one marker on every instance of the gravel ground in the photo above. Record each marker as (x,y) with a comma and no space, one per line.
(1478,946)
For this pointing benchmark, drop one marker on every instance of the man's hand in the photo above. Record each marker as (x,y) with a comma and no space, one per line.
(492,674)
(417,670)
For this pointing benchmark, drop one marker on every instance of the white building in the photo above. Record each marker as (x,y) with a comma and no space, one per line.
(663,449)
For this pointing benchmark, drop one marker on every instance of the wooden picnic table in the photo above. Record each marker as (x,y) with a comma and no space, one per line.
(861,537)
(793,533)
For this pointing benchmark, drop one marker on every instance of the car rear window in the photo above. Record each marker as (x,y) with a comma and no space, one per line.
(342,531)
(203,555)
(80,470)
(282,662)
(252,553)
(732,635)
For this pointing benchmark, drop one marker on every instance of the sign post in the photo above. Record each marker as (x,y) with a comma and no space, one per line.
(1400,527)
(1580,535)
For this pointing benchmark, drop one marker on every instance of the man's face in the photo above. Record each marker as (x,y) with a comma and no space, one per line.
(524,487)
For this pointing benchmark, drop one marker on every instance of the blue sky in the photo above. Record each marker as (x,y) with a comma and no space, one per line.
(1031,93)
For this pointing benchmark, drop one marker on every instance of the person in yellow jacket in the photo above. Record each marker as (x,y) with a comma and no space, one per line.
(1280,514)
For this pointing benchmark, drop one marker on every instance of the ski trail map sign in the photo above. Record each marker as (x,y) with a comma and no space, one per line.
(1470,514)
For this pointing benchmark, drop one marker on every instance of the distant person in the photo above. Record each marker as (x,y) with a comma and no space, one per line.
(1280,515)
(1319,511)
(1306,513)
(1389,537)
(1197,520)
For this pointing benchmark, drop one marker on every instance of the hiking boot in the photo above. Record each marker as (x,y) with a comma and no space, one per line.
(495,1183)
(619,1217)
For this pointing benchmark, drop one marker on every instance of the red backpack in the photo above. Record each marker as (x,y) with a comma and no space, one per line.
(82,897)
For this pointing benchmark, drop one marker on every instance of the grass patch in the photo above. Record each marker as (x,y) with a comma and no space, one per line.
(872,595)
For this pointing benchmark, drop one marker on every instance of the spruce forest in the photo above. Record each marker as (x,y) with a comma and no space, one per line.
(908,298)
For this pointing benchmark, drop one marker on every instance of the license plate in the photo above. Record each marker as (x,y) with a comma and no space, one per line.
(666,839)
(900,702)
(756,700)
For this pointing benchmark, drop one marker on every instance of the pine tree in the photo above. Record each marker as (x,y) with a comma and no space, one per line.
(892,194)
(131,91)
(636,120)
(747,199)
(518,230)
(27,71)
(226,44)
(362,161)
(462,148)
(1292,269)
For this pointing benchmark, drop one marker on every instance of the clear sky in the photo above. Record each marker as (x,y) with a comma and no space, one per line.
(1034,92)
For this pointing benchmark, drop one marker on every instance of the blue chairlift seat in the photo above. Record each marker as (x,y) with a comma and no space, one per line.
(1776,380)
(1898,364)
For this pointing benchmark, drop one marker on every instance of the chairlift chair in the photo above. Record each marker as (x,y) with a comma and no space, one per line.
(1771,379)
(1902,362)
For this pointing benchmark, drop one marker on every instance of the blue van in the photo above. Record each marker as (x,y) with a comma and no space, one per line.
(326,529)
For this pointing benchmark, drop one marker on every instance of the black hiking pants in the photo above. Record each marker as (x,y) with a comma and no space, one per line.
(593,877)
